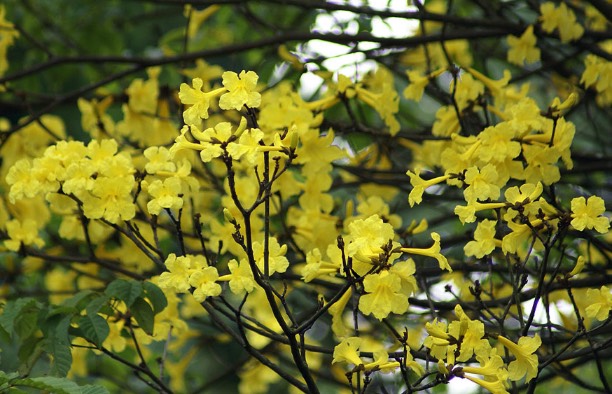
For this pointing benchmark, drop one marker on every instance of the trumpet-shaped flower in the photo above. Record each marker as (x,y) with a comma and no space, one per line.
(405,271)
(526,363)
(241,277)
(561,18)
(498,144)
(600,303)
(482,184)
(528,192)
(241,90)
(467,213)
(179,270)
(277,262)
(586,214)
(347,351)
(316,266)
(247,146)
(212,139)
(383,295)
(24,182)
(597,75)
(433,251)
(541,162)
(491,366)
(470,333)
(493,386)
(523,49)
(165,195)
(110,199)
(204,281)
(419,186)
(521,234)
(484,240)
(438,340)
(25,233)
(198,100)
(366,240)
(159,159)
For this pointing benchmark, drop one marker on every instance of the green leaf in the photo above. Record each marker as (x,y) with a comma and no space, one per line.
(57,344)
(142,312)
(96,304)
(6,377)
(89,389)
(95,328)
(156,296)
(62,357)
(13,309)
(125,290)
(29,352)
(51,384)
(79,300)
(26,322)
(61,310)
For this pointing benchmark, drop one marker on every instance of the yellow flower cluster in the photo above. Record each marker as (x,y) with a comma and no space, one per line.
(96,176)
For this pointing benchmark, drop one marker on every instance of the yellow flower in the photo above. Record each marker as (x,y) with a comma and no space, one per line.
(580,261)
(418,82)
(419,186)
(197,17)
(521,234)
(198,100)
(347,351)
(600,303)
(446,123)
(165,195)
(526,363)
(561,18)
(241,277)
(438,340)
(158,159)
(110,199)
(467,213)
(494,386)
(383,295)
(247,146)
(212,138)
(497,143)
(405,271)
(598,74)
(470,333)
(143,94)
(204,282)
(523,49)
(241,90)
(316,266)
(366,239)
(541,162)
(482,183)
(586,214)
(179,270)
(484,240)
(491,366)
(433,251)
(25,232)
(277,262)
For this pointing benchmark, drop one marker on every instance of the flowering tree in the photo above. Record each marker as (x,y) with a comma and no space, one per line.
(198,197)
